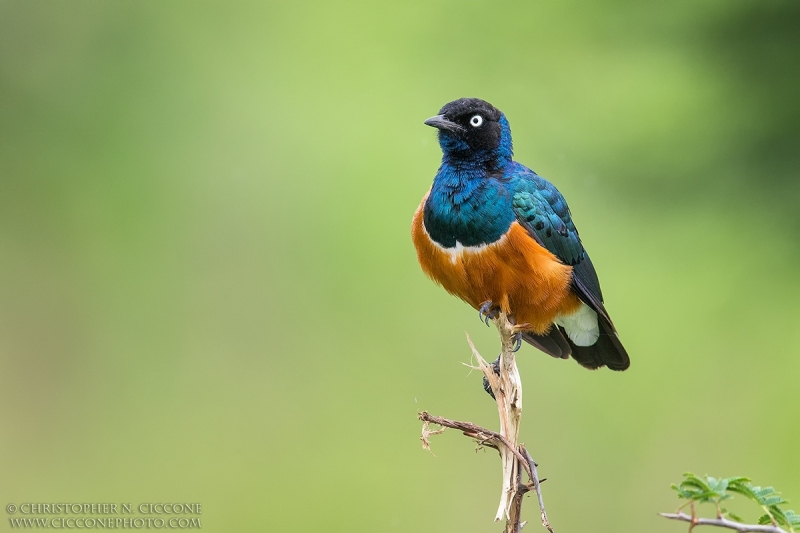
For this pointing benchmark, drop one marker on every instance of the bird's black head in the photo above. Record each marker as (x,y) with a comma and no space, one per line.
(472,130)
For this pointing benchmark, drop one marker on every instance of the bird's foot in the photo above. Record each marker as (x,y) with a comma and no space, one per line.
(521,327)
(488,311)
(518,329)
(486,386)
(517,341)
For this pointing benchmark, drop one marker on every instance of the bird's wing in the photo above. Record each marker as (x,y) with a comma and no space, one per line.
(544,213)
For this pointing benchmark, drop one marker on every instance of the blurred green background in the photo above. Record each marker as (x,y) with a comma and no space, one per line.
(208,291)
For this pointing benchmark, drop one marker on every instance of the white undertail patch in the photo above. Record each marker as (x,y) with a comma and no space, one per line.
(581,326)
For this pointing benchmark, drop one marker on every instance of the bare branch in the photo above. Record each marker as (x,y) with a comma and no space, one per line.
(515,512)
(722,522)
(535,479)
(426,433)
(485,437)
(507,389)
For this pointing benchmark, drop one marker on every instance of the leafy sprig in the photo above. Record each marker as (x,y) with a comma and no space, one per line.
(707,489)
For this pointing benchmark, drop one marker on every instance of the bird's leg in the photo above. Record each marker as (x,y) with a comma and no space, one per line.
(488,311)
(486,386)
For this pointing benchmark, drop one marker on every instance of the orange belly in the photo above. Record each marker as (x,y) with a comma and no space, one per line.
(516,273)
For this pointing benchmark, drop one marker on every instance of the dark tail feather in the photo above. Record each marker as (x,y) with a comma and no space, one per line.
(608,350)
(552,343)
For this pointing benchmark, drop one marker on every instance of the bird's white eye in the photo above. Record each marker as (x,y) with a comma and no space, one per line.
(476,121)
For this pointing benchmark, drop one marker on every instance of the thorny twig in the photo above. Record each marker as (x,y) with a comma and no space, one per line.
(722,522)
(485,437)
(490,439)
(535,479)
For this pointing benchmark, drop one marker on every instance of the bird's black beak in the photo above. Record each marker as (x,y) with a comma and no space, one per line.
(441,123)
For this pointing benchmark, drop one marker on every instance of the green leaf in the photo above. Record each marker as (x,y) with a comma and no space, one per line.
(762,493)
(744,489)
(693,480)
(773,500)
(792,519)
(735,518)
(777,514)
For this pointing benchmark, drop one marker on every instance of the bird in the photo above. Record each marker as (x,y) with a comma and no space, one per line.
(494,233)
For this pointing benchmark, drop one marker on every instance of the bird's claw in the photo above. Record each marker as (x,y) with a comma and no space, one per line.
(487,312)
(517,341)
(496,364)
(486,386)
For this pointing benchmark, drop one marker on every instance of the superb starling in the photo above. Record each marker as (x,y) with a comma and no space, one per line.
(500,237)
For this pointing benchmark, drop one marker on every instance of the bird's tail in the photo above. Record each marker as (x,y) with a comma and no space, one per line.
(607,351)
(552,343)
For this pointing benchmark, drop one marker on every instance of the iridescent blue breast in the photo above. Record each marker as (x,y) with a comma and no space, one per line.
(466,210)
